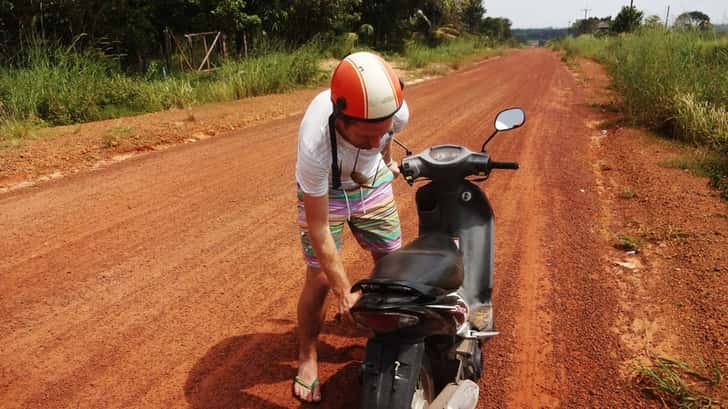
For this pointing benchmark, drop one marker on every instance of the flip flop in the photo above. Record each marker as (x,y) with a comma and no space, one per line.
(309,386)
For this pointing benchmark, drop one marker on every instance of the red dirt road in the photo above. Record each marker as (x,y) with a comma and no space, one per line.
(171,279)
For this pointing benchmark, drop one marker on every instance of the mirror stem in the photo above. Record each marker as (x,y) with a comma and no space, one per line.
(482,149)
(407,152)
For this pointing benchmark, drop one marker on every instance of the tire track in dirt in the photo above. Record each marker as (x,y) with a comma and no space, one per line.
(531,378)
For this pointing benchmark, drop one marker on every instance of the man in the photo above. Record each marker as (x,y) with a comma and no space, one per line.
(344,172)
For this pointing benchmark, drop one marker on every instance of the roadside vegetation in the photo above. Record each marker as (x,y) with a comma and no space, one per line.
(678,385)
(672,81)
(707,163)
(452,54)
(57,86)
(77,74)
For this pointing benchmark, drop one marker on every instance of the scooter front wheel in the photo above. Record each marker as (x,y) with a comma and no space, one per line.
(391,373)
(425,391)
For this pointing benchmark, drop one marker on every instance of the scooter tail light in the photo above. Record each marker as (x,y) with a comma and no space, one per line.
(385,321)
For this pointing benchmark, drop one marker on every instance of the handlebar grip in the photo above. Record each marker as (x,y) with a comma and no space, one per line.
(410,169)
(503,165)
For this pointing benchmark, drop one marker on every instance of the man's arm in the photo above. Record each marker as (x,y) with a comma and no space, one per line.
(387,157)
(317,218)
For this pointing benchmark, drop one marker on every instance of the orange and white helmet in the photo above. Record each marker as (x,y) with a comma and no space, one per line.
(365,87)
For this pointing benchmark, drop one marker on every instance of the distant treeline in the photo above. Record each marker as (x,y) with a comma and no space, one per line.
(137,31)
(540,35)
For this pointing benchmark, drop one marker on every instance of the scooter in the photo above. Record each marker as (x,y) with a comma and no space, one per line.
(429,303)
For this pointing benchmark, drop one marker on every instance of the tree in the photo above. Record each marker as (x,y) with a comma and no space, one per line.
(693,20)
(390,19)
(628,20)
(590,25)
(233,17)
(496,27)
(308,18)
(472,14)
(653,21)
(133,31)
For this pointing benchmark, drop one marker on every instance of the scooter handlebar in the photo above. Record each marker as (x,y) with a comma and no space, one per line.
(503,165)
(465,164)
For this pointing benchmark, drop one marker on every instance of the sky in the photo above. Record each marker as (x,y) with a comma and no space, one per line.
(560,13)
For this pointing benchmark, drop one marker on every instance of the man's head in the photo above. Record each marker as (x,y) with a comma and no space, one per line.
(366,93)
(364,134)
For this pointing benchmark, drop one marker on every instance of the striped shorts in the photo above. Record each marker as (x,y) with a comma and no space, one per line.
(370,213)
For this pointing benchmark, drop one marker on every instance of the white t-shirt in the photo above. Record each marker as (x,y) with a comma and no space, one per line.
(313,166)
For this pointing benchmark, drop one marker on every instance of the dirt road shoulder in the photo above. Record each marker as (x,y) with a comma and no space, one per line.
(669,235)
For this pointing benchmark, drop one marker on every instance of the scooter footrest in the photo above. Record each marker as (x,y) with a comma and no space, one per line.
(482,334)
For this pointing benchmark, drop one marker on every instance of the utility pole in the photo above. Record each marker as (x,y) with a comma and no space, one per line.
(667,16)
(586,11)
(631,4)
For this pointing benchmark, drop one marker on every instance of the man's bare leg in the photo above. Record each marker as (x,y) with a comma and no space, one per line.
(311,313)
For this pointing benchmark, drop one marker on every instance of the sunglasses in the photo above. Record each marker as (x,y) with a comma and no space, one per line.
(361,179)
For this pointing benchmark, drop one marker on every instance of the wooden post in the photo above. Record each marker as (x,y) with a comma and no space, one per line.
(182,55)
(207,55)
(207,52)
(245,43)
(42,25)
(224,48)
(167,49)
(192,49)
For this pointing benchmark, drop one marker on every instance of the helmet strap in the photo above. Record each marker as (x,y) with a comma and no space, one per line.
(335,169)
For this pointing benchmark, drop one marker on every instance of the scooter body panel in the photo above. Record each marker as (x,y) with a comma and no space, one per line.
(462,211)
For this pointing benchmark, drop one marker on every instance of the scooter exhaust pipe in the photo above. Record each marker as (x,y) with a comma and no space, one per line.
(462,396)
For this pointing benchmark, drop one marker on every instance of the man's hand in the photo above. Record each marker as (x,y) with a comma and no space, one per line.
(346,301)
(394,167)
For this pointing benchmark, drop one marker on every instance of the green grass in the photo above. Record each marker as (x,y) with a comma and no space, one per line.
(13,132)
(270,73)
(115,135)
(627,243)
(627,193)
(674,82)
(706,163)
(586,45)
(452,53)
(677,385)
(59,86)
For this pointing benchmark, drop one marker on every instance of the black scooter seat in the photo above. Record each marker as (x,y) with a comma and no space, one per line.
(431,261)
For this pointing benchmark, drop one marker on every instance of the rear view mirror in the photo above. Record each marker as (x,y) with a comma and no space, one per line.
(510,119)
